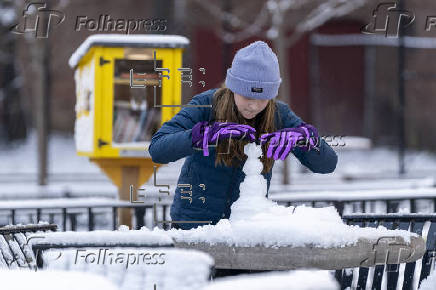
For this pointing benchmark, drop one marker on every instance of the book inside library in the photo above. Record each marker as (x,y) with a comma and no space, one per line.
(135,118)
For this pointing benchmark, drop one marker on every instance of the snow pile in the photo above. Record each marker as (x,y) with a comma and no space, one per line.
(255,220)
(293,280)
(52,280)
(108,238)
(137,268)
(429,283)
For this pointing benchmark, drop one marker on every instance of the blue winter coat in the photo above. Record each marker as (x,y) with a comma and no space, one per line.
(214,189)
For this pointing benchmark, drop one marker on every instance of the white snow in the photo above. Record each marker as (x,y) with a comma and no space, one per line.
(289,280)
(137,268)
(142,237)
(121,39)
(351,143)
(353,187)
(52,280)
(7,254)
(255,220)
(21,158)
(430,282)
(394,194)
(63,203)
(383,161)
(19,191)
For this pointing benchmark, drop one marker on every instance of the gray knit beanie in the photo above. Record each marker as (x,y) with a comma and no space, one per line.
(255,72)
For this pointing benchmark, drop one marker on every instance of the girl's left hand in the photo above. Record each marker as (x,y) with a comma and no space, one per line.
(283,141)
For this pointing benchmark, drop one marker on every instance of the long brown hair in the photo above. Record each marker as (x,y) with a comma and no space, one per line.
(231,151)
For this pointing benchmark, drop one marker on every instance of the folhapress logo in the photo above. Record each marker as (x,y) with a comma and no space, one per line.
(387,18)
(107,23)
(38,20)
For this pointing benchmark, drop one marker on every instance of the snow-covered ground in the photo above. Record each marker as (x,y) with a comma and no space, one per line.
(62,157)
(53,280)
(288,280)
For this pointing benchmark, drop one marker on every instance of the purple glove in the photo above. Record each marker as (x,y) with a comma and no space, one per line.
(204,134)
(311,137)
(281,142)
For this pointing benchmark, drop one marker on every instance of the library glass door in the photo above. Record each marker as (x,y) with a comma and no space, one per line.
(135,119)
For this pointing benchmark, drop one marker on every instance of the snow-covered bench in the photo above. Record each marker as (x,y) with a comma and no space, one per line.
(15,245)
(393,275)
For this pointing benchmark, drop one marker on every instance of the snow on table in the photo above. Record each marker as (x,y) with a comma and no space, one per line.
(257,221)
(299,226)
(52,280)
(293,280)
(108,238)
(137,268)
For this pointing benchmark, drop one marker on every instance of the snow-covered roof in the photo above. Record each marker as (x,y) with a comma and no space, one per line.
(122,40)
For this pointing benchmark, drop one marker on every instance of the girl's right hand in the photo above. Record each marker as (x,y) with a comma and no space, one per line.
(204,133)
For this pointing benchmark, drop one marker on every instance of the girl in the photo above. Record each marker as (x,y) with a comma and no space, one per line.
(212,138)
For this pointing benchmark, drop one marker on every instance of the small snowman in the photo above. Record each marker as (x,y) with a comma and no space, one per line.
(252,199)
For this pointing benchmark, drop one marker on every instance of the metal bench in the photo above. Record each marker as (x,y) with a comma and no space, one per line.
(15,250)
(393,274)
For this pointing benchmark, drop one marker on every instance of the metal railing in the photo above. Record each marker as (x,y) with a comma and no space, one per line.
(359,200)
(421,224)
(67,212)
